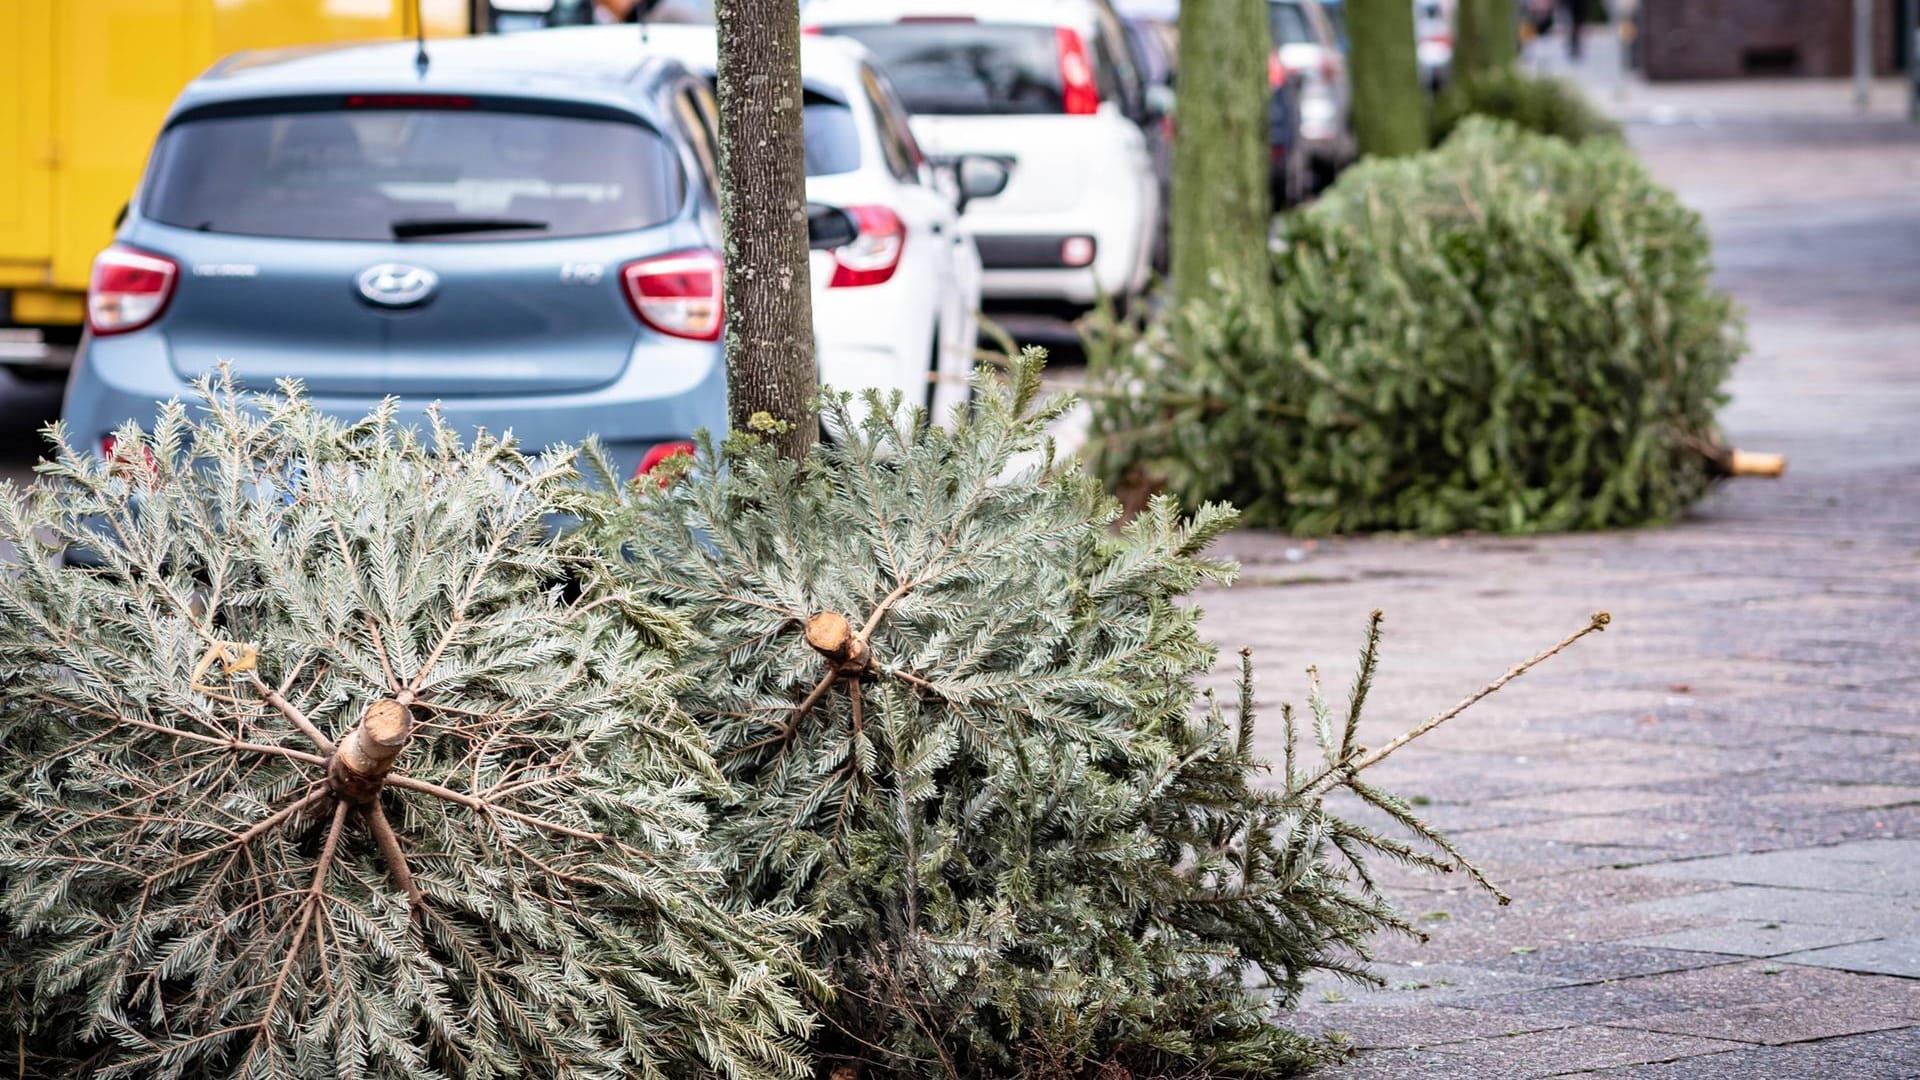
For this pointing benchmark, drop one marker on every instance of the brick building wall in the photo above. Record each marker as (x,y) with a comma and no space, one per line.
(1731,39)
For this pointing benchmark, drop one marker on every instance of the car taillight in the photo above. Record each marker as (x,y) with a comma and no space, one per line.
(1439,37)
(1276,72)
(1079,95)
(123,463)
(678,294)
(660,453)
(871,259)
(128,290)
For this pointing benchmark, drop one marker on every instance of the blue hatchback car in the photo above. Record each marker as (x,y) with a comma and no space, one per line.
(523,229)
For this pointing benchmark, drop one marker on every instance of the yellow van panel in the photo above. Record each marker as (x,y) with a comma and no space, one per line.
(119,65)
(84,85)
(26,137)
(44,307)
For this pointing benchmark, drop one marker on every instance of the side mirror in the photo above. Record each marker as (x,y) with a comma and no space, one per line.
(830,227)
(1159,102)
(979,178)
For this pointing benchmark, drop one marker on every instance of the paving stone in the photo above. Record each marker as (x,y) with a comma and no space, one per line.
(1718,986)
(1887,956)
(1803,1061)
(1773,1023)
(1591,962)
(1754,938)
(1894,1044)
(1381,1065)
(1564,1050)
(1414,1027)
(1759,903)
(1623,800)
(1874,866)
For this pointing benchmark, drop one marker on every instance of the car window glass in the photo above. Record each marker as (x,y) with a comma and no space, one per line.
(971,69)
(1290,25)
(1115,53)
(381,174)
(832,137)
(896,141)
(1336,20)
(697,123)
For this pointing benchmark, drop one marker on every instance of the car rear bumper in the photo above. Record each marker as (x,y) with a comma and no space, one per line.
(1031,266)
(127,378)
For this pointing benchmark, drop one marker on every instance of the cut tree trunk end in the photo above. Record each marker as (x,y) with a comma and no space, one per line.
(360,765)
(832,636)
(1748,463)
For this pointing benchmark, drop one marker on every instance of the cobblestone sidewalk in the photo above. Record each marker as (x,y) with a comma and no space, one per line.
(1709,816)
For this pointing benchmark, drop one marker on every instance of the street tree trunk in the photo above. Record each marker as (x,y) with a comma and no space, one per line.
(763,195)
(1485,39)
(1389,106)
(1220,204)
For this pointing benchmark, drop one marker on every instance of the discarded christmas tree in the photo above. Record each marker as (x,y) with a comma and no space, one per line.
(327,770)
(960,714)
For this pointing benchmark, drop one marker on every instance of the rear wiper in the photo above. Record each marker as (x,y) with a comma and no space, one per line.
(415,228)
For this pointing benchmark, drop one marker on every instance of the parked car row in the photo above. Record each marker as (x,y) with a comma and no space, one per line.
(525,228)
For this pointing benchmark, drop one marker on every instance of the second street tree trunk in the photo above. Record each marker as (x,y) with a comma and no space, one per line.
(763,196)
(1487,38)
(1389,107)
(1220,204)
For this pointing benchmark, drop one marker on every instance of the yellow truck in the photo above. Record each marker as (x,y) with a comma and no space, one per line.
(84,85)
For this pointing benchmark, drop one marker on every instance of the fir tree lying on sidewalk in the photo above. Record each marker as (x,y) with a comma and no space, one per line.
(327,772)
(960,714)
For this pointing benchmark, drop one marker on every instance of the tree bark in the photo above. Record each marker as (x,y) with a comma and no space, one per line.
(1221,209)
(763,196)
(1485,38)
(1389,106)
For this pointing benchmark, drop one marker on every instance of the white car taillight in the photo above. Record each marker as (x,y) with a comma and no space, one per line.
(677,294)
(871,259)
(128,290)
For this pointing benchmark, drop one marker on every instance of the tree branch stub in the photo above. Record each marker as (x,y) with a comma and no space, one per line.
(359,767)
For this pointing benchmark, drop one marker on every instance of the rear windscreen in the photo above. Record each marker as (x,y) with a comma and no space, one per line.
(412,174)
(967,68)
(1290,26)
(832,138)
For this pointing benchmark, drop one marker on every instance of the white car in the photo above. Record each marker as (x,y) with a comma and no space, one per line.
(897,309)
(1048,87)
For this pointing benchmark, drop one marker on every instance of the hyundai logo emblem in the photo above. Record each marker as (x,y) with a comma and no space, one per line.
(397,285)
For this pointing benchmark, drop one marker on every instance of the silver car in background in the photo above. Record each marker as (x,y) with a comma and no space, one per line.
(1306,49)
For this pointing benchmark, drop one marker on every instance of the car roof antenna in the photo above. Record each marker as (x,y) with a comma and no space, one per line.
(643,9)
(420,60)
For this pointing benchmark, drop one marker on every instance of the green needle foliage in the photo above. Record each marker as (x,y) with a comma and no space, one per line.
(959,711)
(1541,104)
(1508,334)
(190,885)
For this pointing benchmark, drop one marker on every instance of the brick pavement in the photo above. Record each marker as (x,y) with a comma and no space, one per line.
(1709,816)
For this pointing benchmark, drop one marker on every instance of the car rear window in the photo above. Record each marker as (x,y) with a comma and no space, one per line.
(444,174)
(1290,26)
(967,68)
